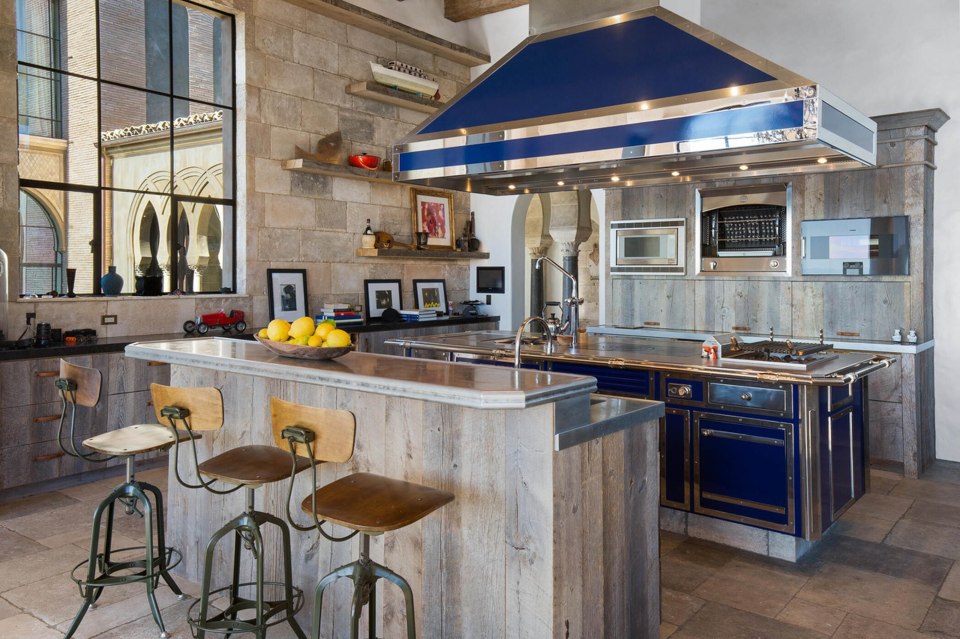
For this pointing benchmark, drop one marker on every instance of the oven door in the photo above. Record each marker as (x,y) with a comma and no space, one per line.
(648,246)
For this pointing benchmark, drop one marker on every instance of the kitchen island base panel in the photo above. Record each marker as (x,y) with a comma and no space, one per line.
(537,542)
(756,540)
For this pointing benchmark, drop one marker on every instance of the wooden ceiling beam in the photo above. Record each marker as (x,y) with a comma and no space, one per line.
(459,10)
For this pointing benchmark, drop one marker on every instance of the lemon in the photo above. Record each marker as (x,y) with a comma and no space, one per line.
(337,338)
(315,340)
(331,322)
(278,330)
(302,327)
(301,341)
(323,329)
(263,334)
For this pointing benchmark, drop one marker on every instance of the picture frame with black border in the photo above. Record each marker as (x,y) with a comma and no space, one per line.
(430,294)
(287,293)
(380,295)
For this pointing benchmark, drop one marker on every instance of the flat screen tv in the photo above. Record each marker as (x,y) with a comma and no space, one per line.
(490,279)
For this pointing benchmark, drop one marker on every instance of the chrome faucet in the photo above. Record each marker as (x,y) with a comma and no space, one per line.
(523,325)
(572,303)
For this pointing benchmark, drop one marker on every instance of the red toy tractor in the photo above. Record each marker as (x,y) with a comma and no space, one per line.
(232,322)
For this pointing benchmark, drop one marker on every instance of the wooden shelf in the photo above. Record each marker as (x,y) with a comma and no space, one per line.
(396,97)
(370,21)
(337,170)
(429,254)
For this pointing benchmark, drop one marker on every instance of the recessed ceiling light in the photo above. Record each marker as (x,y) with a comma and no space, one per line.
(734,90)
(615,178)
(675,173)
(560,183)
(511,186)
(744,167)
(644,106)
(526,190)
(821,160)
(629,182)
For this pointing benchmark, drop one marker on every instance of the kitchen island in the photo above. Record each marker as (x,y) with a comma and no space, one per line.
(553,531)
(763,458)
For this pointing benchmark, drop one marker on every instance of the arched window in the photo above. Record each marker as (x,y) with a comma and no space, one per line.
(41,261)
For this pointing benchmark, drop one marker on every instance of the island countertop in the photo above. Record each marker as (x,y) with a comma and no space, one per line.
(635,352)
(442,382)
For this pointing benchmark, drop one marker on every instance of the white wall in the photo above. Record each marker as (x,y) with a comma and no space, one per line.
(881,57)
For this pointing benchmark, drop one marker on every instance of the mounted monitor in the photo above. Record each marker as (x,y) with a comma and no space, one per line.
(490,279)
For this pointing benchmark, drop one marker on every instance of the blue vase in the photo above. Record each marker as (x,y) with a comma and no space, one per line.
(112,282)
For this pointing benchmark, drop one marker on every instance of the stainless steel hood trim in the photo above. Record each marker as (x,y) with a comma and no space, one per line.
(831,130)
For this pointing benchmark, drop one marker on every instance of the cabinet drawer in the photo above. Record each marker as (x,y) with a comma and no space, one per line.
(33,381)
(39,422)
(611,381)
(129,375)
(767,399)
(30,463)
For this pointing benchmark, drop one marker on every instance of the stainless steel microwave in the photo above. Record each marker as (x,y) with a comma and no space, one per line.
(648,246)
(855,246)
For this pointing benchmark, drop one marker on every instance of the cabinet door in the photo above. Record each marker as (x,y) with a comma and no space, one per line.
(128,374)
(675,459)
(744,470)
(843,466)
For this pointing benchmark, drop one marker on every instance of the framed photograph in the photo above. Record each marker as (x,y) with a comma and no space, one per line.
(381,295)
(431,294)
(433,214)
(287,291)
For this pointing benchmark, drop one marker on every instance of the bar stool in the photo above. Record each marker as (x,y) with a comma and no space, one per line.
(247,467)
(79,385)
(366,503)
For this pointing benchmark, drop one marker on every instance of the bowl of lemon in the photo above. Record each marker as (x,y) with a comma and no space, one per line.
(305,340)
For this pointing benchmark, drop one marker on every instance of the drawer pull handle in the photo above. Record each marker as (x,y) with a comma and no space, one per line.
(50,457)
(848,334)
(742,329)
(150,403)
(753,439)
(651,323)
(157,364)
(45,418)
(47,373)
(746,397)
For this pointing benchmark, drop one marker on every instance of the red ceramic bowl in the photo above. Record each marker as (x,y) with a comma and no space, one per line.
(364,161)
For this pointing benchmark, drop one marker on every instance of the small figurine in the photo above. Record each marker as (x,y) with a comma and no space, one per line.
(232,322)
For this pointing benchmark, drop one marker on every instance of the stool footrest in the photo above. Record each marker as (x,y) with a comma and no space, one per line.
(274,612)
(108,569)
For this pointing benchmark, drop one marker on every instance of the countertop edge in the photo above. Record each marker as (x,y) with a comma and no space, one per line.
(483,399)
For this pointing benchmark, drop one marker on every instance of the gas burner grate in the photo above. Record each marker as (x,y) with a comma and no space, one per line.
(787,347)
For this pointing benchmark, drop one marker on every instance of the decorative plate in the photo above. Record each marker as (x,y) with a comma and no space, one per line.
(285,349)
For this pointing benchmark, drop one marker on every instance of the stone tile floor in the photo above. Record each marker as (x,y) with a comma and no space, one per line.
(888,569)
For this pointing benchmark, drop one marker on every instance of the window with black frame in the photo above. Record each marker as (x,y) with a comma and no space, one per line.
(127,138)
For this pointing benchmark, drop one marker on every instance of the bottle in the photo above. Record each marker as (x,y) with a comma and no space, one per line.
(369,239)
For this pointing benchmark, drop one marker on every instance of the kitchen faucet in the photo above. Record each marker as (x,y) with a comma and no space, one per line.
(572,303)
(523,325)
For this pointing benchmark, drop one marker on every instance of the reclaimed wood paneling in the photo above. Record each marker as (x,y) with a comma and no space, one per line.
(668,303)
(752,306)
(535,540)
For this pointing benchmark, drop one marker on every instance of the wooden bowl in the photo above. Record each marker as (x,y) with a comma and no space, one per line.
(285,349)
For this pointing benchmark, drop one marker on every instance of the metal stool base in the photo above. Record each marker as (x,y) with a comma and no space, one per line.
(364,573)
(246,529)
(102,570)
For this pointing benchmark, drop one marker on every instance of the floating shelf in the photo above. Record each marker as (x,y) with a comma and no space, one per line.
(370,21)
(336,170)
(396,97)
(429,254)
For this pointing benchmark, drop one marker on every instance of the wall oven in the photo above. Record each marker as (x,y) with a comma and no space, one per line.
(855,246)
(648,246)
(744,229)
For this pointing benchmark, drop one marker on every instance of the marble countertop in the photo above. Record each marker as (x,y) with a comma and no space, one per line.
(631,352)
(438,381)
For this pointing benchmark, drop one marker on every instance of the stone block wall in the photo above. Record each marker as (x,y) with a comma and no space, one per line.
(293,67)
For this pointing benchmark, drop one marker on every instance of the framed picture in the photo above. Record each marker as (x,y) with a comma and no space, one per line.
(287,291)
(381,295)
(431,294)
(433,214)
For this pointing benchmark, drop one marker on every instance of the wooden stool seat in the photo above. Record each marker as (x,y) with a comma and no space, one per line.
(134,440)
(375,504)
(252,465)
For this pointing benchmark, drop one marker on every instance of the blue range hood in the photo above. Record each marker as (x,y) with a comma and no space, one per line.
(640,98)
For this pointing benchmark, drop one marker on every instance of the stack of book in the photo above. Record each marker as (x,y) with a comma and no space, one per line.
(417,314)
(342,314)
